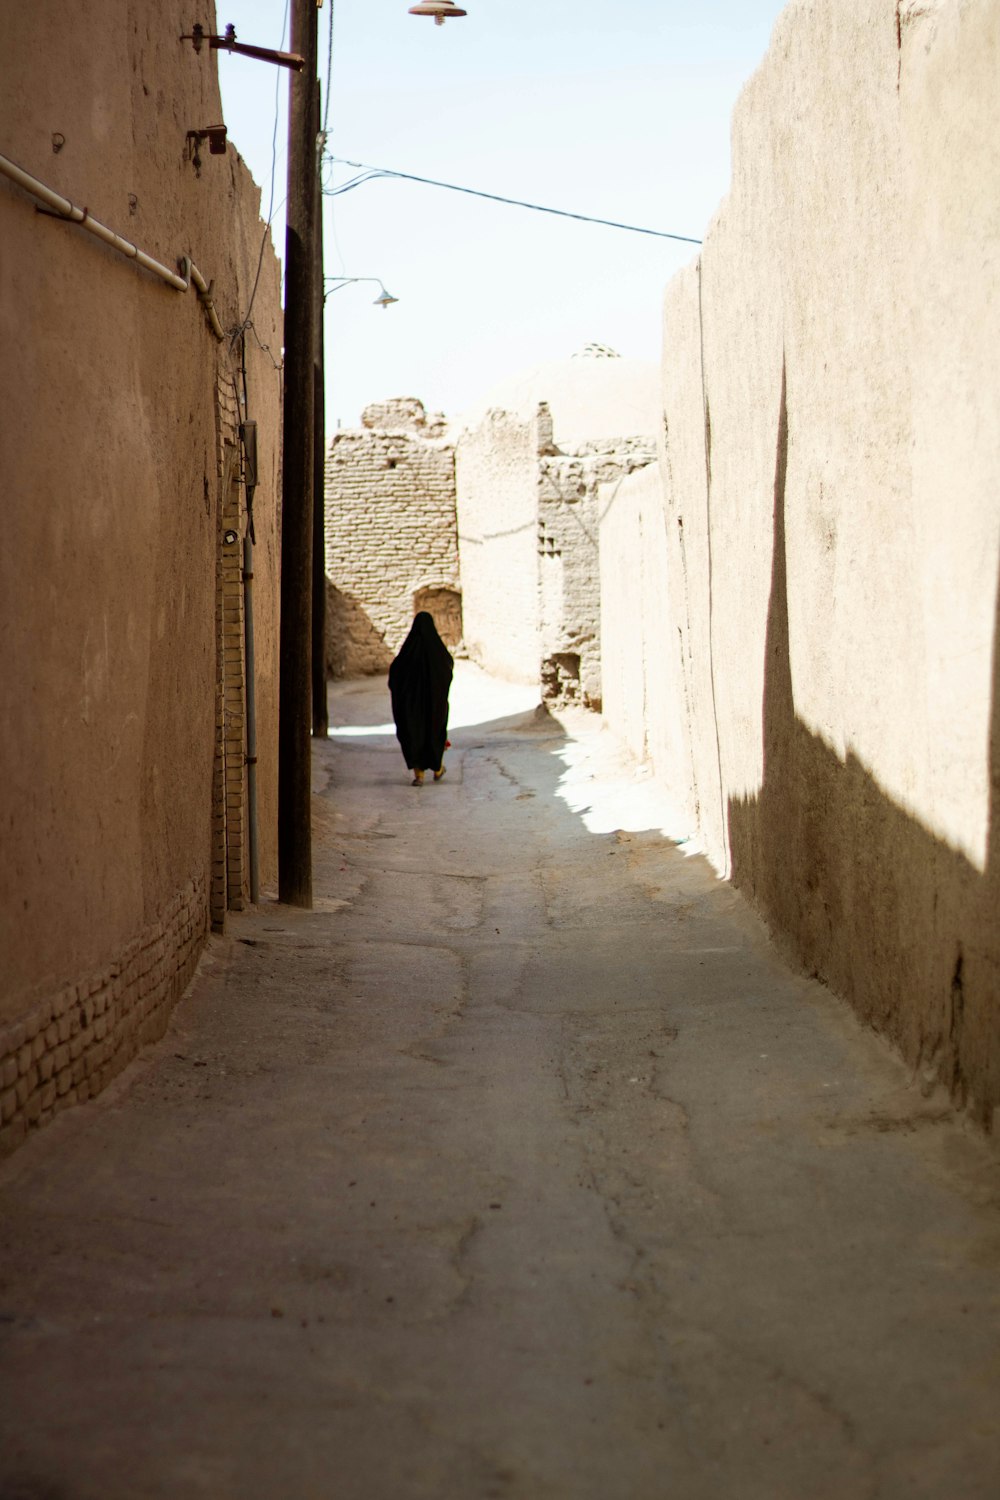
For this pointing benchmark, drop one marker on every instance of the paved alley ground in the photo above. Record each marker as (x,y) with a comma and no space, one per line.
(521,1167)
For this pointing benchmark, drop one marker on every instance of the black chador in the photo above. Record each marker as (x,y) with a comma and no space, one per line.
(419,680)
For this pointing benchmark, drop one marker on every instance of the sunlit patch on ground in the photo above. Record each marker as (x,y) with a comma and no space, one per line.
(610,791)
(600,783)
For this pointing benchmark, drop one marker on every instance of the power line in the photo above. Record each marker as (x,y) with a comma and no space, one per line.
(245,321)
(368,174)
(329,72)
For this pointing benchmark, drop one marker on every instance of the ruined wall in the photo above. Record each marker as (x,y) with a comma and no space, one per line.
(569,562)
(391,540)
(120,409)
(528,469)
(831,466)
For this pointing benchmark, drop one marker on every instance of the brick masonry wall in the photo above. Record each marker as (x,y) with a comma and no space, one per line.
(109,589)
(391,533)
(529,547)
(70,1045)
(569,562)
(231,651)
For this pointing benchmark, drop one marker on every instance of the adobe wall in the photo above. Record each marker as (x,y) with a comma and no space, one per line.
(496,476)
(569,572)
(391,539)
(527,481)
(642,686)
(113,449)
(831,466)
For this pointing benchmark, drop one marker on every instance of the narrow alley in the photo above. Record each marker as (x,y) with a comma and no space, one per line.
(520,1167)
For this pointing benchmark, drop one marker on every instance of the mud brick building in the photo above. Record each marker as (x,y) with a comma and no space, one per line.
(130,387)
(391,536)
(529,463)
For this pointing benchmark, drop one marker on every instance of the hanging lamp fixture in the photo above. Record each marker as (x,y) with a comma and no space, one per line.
(336,283)
(441,10)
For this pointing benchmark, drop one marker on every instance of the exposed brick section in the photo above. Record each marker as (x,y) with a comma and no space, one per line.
(529,530)
(231,657)
(404,414)
(229,884)
(391,536)
(218,877)
(569,563)
(69,1048)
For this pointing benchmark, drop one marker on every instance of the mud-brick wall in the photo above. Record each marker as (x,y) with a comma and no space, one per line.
(831,468)
(65,1048)
(569,582)
(391,538)
(119,405)
(528,465)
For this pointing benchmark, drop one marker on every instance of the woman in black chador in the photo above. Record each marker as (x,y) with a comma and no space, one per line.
(419,680)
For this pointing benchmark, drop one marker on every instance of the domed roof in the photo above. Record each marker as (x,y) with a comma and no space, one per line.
(593,395)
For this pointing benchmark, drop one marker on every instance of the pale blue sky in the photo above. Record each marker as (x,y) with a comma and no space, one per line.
(616,108)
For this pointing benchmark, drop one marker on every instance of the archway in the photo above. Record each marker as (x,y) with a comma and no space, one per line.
(445,605)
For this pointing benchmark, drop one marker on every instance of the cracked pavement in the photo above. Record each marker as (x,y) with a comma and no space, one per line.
(520,1167)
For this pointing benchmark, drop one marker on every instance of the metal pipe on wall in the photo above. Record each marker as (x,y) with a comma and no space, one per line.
(62,208)
(205,290)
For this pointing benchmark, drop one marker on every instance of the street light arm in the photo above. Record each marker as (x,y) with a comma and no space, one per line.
(384,300)
(228,43)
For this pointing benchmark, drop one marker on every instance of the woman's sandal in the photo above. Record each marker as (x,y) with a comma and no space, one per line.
(439,774)
(418,778)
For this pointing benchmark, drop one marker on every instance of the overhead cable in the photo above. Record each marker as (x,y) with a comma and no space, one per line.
(367,174)
(245,321)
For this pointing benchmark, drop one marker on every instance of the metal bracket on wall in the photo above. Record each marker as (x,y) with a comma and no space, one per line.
(198,36)
(216,137)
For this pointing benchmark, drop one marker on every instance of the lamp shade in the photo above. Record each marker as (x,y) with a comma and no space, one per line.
(441,10)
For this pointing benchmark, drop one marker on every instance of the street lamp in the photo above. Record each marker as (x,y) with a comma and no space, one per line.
(384,299)
(441,10)
(301,665)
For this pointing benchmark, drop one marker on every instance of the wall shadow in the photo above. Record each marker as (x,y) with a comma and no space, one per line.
(355,647)
(858,892)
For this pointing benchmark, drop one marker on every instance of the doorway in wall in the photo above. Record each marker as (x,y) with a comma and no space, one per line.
(445,606)
(561,677)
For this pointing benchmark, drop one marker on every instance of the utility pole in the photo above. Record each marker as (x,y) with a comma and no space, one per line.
(294,750)
(320,714)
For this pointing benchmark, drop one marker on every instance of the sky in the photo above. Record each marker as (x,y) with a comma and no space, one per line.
(616,110)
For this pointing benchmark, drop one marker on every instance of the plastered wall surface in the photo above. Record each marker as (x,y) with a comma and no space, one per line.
(642,688)
(831,464)
(592,397)
(112,450)
(391,535)
(496,477)
(569,554)
(528,468)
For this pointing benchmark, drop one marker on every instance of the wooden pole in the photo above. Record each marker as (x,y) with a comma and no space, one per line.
(320,713)
(294,749)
